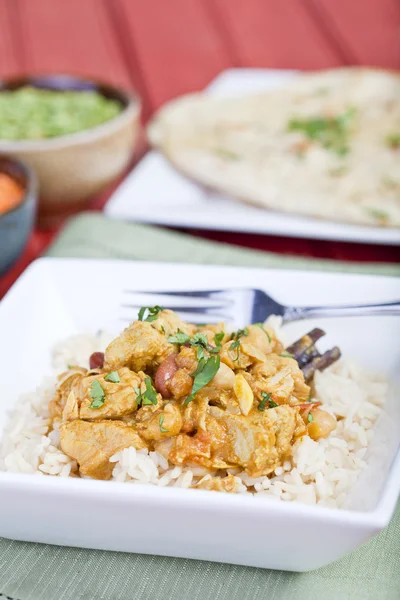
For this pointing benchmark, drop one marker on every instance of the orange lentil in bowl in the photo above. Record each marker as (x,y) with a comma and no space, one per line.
(11,193)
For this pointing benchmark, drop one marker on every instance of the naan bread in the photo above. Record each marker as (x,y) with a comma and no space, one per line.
(260,148)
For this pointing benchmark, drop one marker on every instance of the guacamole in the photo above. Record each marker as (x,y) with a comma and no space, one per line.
(30,113)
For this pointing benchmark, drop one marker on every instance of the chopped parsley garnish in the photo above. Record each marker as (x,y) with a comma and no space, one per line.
(390,184)
(113,377)
(236,340)
(149,396)
(162,329)
(266,398)
(286,355)
(70,366)
(97,394)
(198,341)
(218,337)
(205,372)
(310,418)
(179,338)
(379,215)
(153,313)
(161,421)
(228,154)
(330,132)
(393,140)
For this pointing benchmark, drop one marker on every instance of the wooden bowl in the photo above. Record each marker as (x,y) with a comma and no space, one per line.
(74,167)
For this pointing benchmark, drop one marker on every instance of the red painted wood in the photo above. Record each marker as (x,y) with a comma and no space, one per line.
(267,33)
(166,48)
(369,30)
(71,35)
(176,44)
(8,43)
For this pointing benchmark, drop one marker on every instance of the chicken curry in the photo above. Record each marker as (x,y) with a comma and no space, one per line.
(198,395)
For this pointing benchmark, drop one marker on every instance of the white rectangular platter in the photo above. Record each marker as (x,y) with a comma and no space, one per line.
(154,192)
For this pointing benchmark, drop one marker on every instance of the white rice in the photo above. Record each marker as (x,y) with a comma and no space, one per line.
(320,472)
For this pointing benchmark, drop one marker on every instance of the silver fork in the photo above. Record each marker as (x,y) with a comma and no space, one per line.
(243,306)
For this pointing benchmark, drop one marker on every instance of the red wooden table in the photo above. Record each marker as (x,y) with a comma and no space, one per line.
(165,48)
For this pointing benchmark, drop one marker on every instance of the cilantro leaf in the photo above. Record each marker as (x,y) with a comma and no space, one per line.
(147,397)
(161,421)
(179,338)
(205,372)
(218,337)
(331,132)
(379,215)
(236,337)
(310,418)
(153,313)
(393,140)
(235,345)
(97,394)
(286,355)
(266,398)
(113,377)
(200,341)
(200,367)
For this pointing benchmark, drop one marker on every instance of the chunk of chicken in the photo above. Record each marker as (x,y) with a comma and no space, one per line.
(93,444)
(258,442)
(120,398)
(66,381)
(157,425)
(141,346)
(168,323)
(234,357)
(261,441)
(280,376)
(258,337)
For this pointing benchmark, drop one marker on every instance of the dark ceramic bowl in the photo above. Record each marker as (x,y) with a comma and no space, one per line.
(16,224)
(74,167)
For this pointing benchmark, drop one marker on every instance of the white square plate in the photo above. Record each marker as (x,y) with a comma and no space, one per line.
(56,298)
(154,192)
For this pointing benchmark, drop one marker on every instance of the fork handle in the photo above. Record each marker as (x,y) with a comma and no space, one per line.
(293,313)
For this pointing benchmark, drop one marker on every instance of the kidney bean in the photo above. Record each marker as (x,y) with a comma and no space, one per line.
(96,360)
(164,372)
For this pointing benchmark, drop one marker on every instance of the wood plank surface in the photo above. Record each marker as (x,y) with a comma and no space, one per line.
(9,52)
(368,31)
(164,48)
(73,36)
(177,46)
(267,33)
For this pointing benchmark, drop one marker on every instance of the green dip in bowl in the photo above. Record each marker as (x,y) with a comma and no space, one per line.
(31,113)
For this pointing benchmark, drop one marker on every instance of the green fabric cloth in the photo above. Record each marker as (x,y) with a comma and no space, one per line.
(92,235)
(41,572)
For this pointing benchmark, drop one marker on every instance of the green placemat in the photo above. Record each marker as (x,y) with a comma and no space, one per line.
(37,571)
(92,235)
